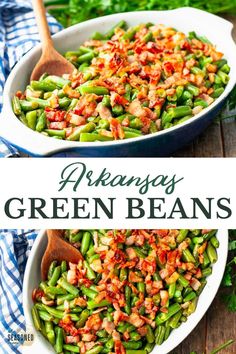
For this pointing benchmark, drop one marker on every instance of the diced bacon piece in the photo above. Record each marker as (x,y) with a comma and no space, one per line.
(195,284)
(72,339)
(133,278)
(77,120)
(96,265)
(103,111)
(72,277)
(108,325)
(131,253)
(88,337)
(136,320)
(130,240)
(164,297)
(57,125)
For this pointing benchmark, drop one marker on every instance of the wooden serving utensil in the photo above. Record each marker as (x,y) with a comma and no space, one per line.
(58,249)
(51,62)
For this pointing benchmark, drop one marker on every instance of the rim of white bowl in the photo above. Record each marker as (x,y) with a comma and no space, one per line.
(176,337)
(43,146)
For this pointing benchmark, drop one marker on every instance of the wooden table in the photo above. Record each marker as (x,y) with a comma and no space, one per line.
(219,140)
(216,327)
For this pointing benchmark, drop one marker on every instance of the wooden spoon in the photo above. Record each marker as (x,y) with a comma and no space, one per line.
(58,249)
(51,62)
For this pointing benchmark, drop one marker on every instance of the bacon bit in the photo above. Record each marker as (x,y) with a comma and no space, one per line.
(94,322)
(131,253)
(68,326)
(117,99)
(72,339)
(108,325)
(89,345)
(79,301)
(82,347)
(103,111)
(116,129)
(142,331)
(88,337)
(197,110)
(202,248)
(70,92)
(173,278)
(134,278)
(54,115)
(58,125)
(136,320)
(207,98)
(72,277)
(164,297)
(119,348)
(75,119)
(206,231)
(195,284)
(96,265)
(130,240)
(126,335)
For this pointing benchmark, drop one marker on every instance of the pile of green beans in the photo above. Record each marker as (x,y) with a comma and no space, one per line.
(172,104)
(57,316)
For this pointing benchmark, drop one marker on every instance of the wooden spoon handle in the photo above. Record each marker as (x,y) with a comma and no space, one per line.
(41,19)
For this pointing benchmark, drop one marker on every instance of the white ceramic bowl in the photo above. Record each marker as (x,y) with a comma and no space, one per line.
(32,279)
(186,19)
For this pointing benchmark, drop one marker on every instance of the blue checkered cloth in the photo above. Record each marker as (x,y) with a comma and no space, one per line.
(18,34)
(15,246)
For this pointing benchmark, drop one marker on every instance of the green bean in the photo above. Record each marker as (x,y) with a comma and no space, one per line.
(85,243)
(56,80)
(182,235)
(82,319)
(171,290)
(53,290)
(206,272)
(130,351)
(172,310)
(134,336)
(194,90)
(71,348)
(127,307)
(61,298)
(89,137)
(36,318)
(39,101)
(16,105)
(215,243)
(188,257)
(98,90)
(42,86)
(183,281)
(41,123)
(55,276)
(150,335)
(174,321)
(217,92)
(211,252)
(89,292)
(93,304)
(132,344)
(106,101)
(95,350)
(82,129)
(130,34)
(85,57)
(111,32)
(68,287)
(110,343)
(190,296)
(45,316)
(31,118)
(160,333)
(179,112)
(89,271)
(59,340)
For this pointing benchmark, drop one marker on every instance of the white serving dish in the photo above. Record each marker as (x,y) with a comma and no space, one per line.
(185,19)
(32,279)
